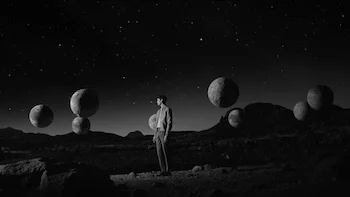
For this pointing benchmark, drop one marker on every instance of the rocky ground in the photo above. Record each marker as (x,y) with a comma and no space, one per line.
(277,159)
(264,180)
(196,182)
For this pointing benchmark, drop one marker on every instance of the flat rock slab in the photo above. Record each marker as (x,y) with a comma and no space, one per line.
(40,177)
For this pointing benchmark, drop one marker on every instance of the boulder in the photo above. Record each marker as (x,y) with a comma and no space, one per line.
(197,169)
(21,177)
(44,177)
(132,174)
(207,167)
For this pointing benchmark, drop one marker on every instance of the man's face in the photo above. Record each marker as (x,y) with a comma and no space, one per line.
(159,101)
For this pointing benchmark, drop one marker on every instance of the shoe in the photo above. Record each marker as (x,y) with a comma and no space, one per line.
(161,174)
(168,173)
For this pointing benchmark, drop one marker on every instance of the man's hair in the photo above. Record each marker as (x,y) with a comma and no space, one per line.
(162,97)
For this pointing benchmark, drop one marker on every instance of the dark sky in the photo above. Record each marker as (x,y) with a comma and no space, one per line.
(130,52)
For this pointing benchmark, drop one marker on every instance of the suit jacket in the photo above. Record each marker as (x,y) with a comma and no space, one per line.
(165,117)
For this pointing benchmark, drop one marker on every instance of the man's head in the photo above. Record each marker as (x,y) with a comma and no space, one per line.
(161,99)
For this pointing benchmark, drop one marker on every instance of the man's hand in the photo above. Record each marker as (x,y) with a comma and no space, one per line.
(165,138)
(154,139)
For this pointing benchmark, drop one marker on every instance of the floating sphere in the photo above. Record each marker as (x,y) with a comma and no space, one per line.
(84,103)
(152,122)
(302,110)
(235,117)
(81,125)
(41,116)
(320,97)
(223,92)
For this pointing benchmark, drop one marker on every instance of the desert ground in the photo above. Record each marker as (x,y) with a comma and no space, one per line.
(273,157)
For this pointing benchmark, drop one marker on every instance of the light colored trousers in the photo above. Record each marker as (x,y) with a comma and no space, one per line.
(161,150)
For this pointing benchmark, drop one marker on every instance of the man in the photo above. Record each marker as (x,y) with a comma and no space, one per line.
(164,119)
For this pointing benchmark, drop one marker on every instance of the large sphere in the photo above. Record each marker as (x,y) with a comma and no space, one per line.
(223,92)
(301,110)
(81,125)
(320,97)
(152,122)
(235,117)
(84,103)
(41,116)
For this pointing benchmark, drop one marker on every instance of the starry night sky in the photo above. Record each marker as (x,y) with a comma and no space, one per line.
(130,52)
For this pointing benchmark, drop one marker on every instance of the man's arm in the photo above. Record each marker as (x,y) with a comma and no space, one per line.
(154,135)
(169,121)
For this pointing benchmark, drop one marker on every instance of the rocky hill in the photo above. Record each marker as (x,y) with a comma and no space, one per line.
(267,140)
(135,135)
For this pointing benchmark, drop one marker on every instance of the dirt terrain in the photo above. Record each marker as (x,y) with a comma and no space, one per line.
(264,180)
(273,157)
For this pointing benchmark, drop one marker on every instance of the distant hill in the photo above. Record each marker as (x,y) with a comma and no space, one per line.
(19,139)
(261,119)
(93,137)
(267,114)
(9,132)
(135,135)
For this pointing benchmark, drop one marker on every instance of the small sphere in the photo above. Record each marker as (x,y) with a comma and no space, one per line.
(235,117)
(152,122)
(81,125)
(223,92)
(84,103)
(320,97)
(41,116)
(301,110)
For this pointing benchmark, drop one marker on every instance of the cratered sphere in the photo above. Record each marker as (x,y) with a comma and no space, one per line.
(84,103)
(302,110)
(235,117)
(320,97)
(41,116)
(81,125)
(152,122)
(223,92)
